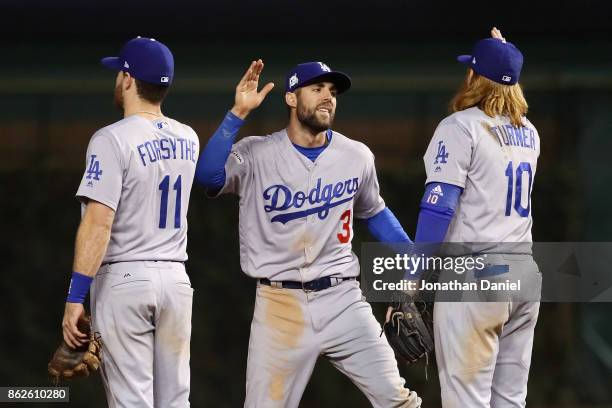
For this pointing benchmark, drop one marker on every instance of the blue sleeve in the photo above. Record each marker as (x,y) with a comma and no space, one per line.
(437,209)
(385,227)
(210,170)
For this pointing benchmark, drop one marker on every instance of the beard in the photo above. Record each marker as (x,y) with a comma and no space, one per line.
(309,118)
(118,98)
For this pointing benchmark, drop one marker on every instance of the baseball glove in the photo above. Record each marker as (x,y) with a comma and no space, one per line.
(410,330)
(68,363)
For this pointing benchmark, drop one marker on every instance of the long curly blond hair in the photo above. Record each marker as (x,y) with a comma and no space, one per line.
(490,97)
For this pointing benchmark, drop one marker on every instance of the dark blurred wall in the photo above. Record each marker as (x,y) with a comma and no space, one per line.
(289,21)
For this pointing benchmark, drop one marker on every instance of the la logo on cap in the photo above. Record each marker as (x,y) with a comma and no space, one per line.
(293,81)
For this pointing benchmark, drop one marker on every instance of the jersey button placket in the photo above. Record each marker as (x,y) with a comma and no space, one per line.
(309,219)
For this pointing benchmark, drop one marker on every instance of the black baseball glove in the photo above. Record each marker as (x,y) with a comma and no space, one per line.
(409,330)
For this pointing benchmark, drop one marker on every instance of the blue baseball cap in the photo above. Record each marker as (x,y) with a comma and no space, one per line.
(310,72)
(145,59)
(495,59)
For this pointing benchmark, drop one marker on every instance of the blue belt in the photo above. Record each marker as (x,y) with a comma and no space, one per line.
(491,270)
(311,286)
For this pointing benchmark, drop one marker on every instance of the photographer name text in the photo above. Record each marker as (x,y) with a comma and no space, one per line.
(413,285)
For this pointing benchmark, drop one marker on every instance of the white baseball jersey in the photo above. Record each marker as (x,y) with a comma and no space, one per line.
(144,171)
(495,163)
(296,216)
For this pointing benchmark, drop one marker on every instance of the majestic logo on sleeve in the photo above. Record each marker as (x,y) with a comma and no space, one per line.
(280,198)
(442,155)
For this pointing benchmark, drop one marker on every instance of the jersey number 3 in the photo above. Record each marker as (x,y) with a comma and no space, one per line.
(164,186)
(345,236)
(523,167)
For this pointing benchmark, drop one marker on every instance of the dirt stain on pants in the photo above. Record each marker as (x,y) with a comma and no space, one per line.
(285,318)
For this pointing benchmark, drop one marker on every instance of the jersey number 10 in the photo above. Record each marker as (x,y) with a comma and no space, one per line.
(164,186)
(523,167)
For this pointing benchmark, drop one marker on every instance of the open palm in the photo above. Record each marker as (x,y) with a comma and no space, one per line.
(495,33)
(247,97)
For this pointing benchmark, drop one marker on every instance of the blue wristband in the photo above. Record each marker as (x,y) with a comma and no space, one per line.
(210,170)
(79,287)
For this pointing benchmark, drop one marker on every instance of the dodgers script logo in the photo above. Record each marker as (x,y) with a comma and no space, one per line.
(322,198)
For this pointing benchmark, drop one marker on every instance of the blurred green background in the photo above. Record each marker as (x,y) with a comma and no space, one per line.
(54,95)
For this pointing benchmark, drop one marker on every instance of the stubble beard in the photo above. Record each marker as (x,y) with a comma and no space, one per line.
(308,118)
(118,98)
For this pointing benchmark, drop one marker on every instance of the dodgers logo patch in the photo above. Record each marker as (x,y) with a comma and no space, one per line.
(442,155)
(94,172)
(322,198)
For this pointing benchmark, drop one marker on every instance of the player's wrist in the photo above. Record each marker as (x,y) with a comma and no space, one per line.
(79,287)
(240,112)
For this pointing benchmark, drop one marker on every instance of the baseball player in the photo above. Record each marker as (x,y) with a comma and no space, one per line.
(131,243)
(300,189)
(480,165)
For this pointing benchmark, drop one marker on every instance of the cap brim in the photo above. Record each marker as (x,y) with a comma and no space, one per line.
(112,63)
(465,59)
(340,79)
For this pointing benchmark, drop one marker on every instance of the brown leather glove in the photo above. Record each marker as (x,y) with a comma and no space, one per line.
(68,363)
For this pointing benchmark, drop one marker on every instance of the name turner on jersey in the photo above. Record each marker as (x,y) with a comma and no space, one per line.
(516,136)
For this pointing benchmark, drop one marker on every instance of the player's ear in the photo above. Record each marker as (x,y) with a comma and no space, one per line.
(128,81)
(119,79)
(469,76)
(291,99)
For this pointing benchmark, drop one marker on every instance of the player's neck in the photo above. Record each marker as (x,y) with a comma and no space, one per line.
(146,110)
(305,136)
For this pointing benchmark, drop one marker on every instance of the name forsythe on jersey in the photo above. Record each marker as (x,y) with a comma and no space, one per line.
(168,148)
(320,199)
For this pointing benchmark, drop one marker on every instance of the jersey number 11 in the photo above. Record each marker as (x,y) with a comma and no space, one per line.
(164,186)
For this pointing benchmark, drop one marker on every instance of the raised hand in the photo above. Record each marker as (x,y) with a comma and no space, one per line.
(495,33)
(247,97)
